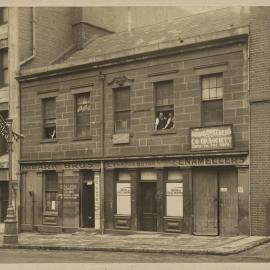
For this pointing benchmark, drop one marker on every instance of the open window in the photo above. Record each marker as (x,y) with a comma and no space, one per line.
(49,118)
(164,110)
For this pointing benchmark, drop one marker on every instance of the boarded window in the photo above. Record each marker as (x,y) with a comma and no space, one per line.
(164,105)
(49,118)
(122,109)
(123,196)
(174,193)
(212,100)
(51,191)
(83,115)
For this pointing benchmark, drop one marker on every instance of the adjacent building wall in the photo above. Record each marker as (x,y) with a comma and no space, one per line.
(260,124)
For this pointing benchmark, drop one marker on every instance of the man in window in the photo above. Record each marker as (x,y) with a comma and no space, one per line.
(160,122)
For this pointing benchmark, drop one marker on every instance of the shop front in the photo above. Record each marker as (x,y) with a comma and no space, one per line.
(59,197)
(201,194)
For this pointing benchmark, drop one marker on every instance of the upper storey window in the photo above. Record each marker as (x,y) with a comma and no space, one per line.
(122,109)
(83,115)
(49,118)
(4,74)
(3,15)
(164,105)
(212,100)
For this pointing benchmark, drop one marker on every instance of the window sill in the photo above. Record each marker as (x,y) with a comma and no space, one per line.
(82,138)
(49,141)
(50,213)
(164,131)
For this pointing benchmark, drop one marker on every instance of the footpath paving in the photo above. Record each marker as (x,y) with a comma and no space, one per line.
(148,242)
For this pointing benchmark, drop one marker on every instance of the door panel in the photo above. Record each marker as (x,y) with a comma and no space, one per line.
(228,202)
(149,206)
(205,201)
(88,206)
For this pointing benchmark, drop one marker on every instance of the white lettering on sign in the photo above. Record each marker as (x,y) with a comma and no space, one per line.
(97,200)
(211,138)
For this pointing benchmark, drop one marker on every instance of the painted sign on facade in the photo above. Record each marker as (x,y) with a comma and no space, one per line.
(69,191)
(97,200)
(211,138)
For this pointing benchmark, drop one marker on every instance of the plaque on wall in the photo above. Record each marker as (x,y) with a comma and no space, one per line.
(211,138)
(120,138)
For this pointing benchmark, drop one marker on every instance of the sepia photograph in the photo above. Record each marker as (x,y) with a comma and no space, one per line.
(134,134)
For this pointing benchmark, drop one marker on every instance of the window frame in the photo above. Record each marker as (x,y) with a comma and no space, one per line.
(2,19)
(115,111)
(3,68)
(211,100)
(76,95)
(43,118)
(172,105)
(45,191)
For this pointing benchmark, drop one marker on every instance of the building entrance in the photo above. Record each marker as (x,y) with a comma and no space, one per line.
(88,200)
(215,201)
(149,206)
(3,200)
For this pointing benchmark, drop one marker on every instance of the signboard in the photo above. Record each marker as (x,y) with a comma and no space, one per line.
(120,138)
(69,191)
(211,138)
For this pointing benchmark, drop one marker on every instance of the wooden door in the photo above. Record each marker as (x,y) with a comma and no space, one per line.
(3,200)
(205,201)
(228,202)
(149,206)
(88,205)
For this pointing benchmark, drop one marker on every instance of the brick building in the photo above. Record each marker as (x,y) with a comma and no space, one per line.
(142,130)
(259,121)
(34,37)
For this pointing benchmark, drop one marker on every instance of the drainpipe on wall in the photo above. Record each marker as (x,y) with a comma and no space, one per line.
(102,219)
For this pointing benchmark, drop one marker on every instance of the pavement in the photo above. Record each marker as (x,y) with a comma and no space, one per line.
(142,242)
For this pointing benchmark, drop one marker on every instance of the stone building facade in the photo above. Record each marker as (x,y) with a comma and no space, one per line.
(147,138)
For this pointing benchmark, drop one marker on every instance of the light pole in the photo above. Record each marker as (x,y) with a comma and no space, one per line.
(10,231)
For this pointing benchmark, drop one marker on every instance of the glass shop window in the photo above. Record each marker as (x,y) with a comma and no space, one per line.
(51,191)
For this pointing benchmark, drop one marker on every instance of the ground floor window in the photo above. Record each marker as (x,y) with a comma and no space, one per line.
(174,193)
(51,191)
(123,200)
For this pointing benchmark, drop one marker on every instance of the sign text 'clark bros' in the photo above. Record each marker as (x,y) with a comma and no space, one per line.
(211,138)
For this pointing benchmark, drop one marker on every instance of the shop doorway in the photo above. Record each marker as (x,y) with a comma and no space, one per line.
(3,200)
(87,201)
(148,206)
(215,201)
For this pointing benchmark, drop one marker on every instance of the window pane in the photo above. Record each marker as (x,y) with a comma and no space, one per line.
(122,99)
(219,92)
(164,93)
(175,174)
(205,83)
(213,93)
(83,102)
(205,94)
(212,112)
(83,124)
(122,121)
(213,82)
(51,191)
(219,81)
(49,108)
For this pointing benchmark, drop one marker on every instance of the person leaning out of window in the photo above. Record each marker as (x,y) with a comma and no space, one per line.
(163,122)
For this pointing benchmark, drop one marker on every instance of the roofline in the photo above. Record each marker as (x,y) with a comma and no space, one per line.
(159,49)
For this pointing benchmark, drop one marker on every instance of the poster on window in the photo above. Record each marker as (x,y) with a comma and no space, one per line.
(174,195)
(123,199)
